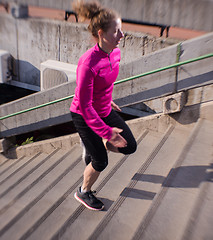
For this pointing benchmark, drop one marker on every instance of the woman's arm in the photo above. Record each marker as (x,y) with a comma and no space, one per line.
(85,81)
(115,107)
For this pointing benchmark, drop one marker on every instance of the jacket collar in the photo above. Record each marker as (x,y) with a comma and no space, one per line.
(101,51)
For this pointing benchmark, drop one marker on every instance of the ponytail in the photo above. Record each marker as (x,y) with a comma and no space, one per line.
(100,18)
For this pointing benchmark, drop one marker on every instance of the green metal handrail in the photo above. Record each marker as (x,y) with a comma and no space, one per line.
(117,82)
(166,68)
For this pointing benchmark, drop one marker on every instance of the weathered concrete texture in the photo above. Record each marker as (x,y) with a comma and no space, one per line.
(192,14)
(198,73)
(194,96)
(194,74)
(174,103)
(140,89)
(8,35)
(75,40)
(135,45)
(43,117)
(167,192)
(32,41)
(38,41)
(125,94)
(157,122)
(45,146)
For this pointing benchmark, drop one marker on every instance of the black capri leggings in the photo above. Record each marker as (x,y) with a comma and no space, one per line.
(94,144)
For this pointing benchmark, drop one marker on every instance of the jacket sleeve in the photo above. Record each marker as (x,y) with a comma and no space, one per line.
(85,85)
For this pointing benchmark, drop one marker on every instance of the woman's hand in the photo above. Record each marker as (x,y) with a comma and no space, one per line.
(117,140)
(115,107)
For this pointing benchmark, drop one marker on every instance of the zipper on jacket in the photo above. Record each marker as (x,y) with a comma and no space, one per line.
(109,61)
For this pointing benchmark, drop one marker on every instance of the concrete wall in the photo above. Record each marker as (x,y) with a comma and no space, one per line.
(187,77)
(32,41)
(167,82)
(192,14)
(40,118)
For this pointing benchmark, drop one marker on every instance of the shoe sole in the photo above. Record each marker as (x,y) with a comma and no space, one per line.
(87,206)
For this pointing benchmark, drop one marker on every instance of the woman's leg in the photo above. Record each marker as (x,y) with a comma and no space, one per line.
(90,176)
(95,147)
(114,120)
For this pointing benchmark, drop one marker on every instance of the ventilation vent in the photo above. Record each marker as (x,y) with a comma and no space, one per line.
(5,66)
(54,73)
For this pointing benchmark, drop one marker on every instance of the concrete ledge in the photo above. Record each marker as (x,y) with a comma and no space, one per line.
(46,146)
(157,122)
(193,96)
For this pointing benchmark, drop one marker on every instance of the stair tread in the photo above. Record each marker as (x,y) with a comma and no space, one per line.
(144,190)
(178,195)
(18,176)
(21,208)
(68,215)
(32,179)
(140,193)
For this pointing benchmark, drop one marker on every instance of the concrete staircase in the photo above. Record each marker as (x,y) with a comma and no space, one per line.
(163,191)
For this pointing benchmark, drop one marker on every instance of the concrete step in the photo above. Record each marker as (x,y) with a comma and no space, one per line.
(9,181)
(201,221)
(70,211)
(156,193)
(134,201)
(8,167)
(20,213)
(44,167)
(111,185)
(3,159)
(177,201)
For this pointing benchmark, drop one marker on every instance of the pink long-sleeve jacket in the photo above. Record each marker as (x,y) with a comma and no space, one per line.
(96,74)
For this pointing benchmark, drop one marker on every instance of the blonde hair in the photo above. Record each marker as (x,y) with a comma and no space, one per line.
(100,18)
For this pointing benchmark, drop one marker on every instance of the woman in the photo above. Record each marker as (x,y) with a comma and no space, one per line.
(98,125)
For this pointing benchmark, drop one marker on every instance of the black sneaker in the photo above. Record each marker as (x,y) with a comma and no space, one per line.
(88,200)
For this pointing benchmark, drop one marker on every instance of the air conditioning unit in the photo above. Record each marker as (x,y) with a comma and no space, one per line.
(5,66)
(54,73)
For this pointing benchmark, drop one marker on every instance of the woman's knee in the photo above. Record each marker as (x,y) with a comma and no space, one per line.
(130,149)
(100,166)
(100,161)
(133,147)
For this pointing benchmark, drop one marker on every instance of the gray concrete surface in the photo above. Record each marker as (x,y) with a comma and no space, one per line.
(32,41)
(172,80)
(191,74)
(129,93)
(157,197)
(192,14)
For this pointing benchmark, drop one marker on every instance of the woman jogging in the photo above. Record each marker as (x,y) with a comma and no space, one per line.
(98,125)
